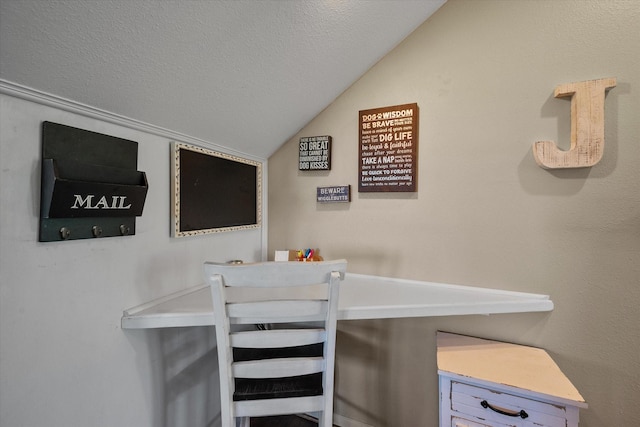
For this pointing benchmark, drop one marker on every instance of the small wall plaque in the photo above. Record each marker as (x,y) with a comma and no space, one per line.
(336,194)
(315,153)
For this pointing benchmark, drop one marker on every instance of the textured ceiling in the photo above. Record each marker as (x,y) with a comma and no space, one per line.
(242,74)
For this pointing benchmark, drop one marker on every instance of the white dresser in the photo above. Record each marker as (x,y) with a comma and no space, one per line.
(486,383)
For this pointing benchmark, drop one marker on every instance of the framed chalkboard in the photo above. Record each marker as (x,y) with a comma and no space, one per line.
(213,192)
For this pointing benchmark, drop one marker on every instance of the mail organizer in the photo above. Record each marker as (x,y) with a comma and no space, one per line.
(90,185)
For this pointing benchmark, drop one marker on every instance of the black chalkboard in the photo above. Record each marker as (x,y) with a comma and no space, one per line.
(214,191)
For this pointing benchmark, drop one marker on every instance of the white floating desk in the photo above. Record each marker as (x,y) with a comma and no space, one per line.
(361,297)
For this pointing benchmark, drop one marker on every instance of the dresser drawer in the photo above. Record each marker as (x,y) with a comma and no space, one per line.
(476,403)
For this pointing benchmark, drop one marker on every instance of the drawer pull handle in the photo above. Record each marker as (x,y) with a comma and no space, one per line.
(522,414)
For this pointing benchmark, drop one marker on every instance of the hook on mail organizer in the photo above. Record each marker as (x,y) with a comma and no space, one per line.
(90,185)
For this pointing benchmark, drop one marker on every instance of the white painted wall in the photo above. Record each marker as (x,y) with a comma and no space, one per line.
(64,360)
(483,74)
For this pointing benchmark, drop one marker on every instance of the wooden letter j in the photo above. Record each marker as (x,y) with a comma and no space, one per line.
(587,127)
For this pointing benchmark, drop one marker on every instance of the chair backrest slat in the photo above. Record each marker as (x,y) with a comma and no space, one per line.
(277,274)
(277,309)
(277,338)
(277,368)
(257,408)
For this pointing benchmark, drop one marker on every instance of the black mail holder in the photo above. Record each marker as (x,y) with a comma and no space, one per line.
(90,185)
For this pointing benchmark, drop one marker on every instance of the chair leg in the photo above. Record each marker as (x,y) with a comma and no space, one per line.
(324,420)
(243,422)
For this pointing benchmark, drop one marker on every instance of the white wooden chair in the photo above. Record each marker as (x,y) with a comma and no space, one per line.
(276,332)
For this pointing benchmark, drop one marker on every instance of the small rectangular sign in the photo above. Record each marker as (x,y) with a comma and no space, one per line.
(336,194)
(314,153)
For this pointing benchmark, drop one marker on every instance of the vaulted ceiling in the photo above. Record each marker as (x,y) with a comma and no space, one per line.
(244,74)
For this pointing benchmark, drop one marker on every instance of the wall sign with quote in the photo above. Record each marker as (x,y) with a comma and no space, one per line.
(388,147)
(314,153)
(335,194)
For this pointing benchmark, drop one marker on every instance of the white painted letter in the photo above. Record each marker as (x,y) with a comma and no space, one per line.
(82,202)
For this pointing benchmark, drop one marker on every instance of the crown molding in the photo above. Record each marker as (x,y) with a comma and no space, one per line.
(39,97)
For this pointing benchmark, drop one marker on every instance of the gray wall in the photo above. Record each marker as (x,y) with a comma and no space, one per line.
(64,360)
(483,74)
